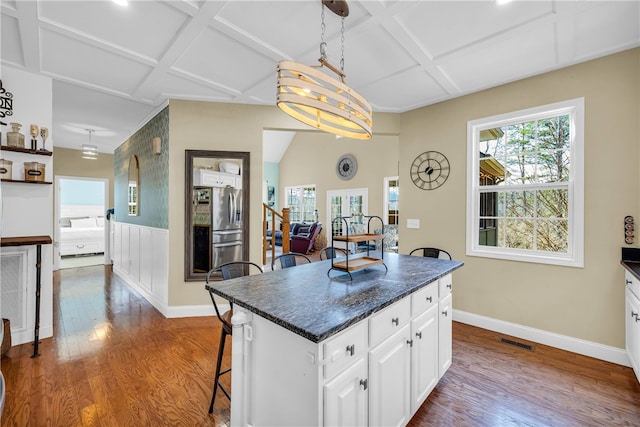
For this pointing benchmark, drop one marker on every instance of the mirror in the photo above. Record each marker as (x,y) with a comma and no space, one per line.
(216,210)
(132,190)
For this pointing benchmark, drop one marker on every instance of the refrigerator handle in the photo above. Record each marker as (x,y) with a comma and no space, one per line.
(231,210)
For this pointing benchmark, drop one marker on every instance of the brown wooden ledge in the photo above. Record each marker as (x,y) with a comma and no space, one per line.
(25,240)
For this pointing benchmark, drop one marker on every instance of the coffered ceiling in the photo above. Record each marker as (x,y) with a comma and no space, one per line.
(113,66)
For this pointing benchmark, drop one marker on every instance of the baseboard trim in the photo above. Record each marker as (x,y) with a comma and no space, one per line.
(563,342)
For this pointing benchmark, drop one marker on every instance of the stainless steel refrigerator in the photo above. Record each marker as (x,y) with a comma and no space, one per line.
(220,211)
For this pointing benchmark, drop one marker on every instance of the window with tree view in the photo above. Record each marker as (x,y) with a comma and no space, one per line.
(525,185)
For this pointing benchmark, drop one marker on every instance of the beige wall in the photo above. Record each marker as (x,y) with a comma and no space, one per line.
(311,159)
(585,303)
(215,126)
(70,163)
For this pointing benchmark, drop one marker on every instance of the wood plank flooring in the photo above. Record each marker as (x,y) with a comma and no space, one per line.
(116,361)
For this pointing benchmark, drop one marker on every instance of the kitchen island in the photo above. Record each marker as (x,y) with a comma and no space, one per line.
(314,350)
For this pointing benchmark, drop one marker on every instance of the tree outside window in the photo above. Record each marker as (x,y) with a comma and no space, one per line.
(527,195)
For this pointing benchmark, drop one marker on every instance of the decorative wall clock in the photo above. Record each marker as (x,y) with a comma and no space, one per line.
(430,170)
(347,167)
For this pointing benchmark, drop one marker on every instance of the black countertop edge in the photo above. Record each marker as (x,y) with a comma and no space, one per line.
(632,267)
(631,254)
(327,334)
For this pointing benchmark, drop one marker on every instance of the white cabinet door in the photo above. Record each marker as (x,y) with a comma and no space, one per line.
(345,397)
(632,328)
(424,356)
(389,380)
(444,334)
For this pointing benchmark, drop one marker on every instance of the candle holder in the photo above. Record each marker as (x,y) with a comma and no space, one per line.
(44,134)
(33,130)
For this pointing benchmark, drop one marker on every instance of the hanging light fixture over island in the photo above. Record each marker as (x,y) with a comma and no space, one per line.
(318,99)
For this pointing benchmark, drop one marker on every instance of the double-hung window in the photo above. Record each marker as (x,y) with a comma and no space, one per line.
(525,186)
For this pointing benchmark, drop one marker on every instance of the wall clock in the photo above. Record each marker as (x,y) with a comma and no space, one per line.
(346,167)
(430,170)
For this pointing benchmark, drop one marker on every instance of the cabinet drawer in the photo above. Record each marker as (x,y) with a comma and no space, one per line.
(346,348)
(446,285)
(389,321)
(423,299)
(80,248)
(632,283)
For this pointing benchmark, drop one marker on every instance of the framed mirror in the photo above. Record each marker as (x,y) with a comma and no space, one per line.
(132,189)
(216,210)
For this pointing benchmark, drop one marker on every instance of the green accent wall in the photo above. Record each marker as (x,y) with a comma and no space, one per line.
(153,185)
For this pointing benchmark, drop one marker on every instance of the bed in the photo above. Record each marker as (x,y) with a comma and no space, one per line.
(80,236)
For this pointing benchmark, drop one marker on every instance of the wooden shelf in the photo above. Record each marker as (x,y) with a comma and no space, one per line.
(356,263)
(26,182)
(350,264)
(25,240)
(358,237)
(26,150)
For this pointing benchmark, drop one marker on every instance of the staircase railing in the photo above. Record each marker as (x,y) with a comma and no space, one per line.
(269,243)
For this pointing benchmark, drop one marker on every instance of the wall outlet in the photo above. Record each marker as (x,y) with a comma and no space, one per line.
(413,223)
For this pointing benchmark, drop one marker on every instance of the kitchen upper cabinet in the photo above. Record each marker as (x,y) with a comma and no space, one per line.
(346,397)
(207,178)
(390,379)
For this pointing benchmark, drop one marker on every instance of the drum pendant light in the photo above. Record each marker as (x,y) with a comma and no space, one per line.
(318,99)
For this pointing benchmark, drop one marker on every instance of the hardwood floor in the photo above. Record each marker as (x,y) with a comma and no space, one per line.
(116,361)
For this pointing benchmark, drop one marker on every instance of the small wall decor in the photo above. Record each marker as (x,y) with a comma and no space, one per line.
(628,230)
(6,103)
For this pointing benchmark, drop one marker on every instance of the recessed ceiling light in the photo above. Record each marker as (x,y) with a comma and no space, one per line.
(121,2)
(501,2)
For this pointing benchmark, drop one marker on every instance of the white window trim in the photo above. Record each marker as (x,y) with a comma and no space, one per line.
(289,187)
(575,255)
(385,192)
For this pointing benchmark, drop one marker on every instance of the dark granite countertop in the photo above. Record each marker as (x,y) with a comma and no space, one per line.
(631,261)
(305,301)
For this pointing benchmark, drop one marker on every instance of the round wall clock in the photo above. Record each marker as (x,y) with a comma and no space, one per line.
(346,167)
(430,170)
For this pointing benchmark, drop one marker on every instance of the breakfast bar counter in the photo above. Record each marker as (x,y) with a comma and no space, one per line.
(309,349)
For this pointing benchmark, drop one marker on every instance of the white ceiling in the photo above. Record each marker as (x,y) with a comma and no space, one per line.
(113,67)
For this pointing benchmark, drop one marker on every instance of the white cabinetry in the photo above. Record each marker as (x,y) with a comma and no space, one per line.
(390,376)
(208,178)
(346,397)
(445,323)
(378,371)
(632,321)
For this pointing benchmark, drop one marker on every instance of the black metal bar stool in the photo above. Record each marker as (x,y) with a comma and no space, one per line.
(228,270)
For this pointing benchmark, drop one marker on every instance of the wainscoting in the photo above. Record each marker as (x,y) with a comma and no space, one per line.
(140,257)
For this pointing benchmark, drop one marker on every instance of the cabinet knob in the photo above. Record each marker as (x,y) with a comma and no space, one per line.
(410,342)
(419,335)
(634,314)
(351,349)
(627,281)
(430,299)
(444,312)
(395,321)
(449,285)
(364,383)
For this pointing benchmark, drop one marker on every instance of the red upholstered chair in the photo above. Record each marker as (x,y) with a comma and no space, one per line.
(303,242)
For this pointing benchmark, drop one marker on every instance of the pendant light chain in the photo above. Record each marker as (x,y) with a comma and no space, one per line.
(342,46)
(323,45)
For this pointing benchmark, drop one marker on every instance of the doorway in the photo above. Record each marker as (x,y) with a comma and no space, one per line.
(80,234)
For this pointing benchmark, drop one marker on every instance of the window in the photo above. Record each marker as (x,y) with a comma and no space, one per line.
(391,191)
(525,185)
(301,202)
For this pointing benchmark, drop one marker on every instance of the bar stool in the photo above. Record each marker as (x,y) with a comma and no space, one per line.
(228,270)
(290,259)
(432,253)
